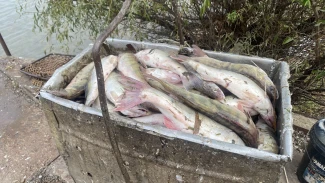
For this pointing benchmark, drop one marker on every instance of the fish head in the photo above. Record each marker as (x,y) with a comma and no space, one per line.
(267,113)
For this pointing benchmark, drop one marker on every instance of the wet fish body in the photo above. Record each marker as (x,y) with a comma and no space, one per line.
(77,84)
(228,116)
(256,74)
(114,90)
(129,66)
(266,140)
(159,59)
(241,86)
(153,119)
(182,117)
(108,63)
(164,74)
(236,102)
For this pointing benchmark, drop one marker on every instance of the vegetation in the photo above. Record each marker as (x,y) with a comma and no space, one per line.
(290,30)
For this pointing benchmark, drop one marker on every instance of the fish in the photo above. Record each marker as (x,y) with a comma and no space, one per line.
(182,117)
(76,85)
(228,116)
(249,92)
(266,139)
(164,74)
(108,63)
(114,90)
(159,59)
(232,100)
(207,88)
(129,66)
(153,119)
(133,112)
(256,74)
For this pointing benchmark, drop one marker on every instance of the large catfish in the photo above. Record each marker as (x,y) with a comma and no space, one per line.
(160,59)
(228,116)
(249,92)
(77,84)
(254,73)
(109,63)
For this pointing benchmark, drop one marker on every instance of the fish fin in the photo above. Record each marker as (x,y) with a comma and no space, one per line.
(247,107)
(169,124)
(198,52)
(131,97)
(244,104)
(179,58)
(131,48)
(240,107)
(191,80)
(131,84)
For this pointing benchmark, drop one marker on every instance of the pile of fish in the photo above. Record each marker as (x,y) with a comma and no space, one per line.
(194,94)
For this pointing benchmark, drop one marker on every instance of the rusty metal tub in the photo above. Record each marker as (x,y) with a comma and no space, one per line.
(156,154)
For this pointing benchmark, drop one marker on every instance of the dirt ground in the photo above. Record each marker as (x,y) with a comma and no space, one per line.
(25,139)
(27,149)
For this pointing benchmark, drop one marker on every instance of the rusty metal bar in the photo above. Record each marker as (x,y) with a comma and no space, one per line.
(110,128)
(4,46)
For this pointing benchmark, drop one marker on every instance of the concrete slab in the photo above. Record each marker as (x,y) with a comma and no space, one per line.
(291,169)
(303,123)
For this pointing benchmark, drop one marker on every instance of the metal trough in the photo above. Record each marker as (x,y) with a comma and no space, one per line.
(156,154)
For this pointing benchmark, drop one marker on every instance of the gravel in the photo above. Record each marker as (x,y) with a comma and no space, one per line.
(300,141)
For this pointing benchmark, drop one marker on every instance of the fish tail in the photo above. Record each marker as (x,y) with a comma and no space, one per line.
(198,52)
(132,96)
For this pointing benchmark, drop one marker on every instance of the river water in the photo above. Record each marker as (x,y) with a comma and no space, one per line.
(17,32)
(16,29)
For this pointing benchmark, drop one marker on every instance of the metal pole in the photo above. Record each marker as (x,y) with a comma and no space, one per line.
(4,46)
(110,127)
